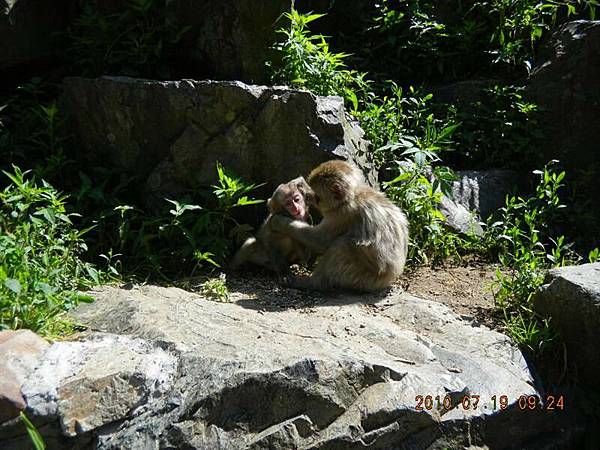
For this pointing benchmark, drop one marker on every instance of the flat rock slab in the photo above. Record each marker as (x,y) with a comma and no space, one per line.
(571,297)
(165,368)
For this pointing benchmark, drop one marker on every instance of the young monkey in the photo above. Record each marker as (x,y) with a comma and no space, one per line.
(271,248)
(362,239)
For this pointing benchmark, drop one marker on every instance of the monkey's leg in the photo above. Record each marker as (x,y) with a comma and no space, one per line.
(250,252)
(344,265)
(277,262)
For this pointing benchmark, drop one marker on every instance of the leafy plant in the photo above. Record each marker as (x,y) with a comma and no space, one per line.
(521,23)
(399,122)
(41,268)
(136,40)
(594,255)
(499,130)
(34,434)
(197,230)
(216,289)
(418,190)
(307,62)
(31,130)
(526,250)
(414,41)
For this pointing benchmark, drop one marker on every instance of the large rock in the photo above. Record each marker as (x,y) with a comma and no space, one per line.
(345,372)
(566,85)
(474,196)
(460,218)
(231,39)
(483,191)
(98,380)
(170,133)
(571,297)
(19,353)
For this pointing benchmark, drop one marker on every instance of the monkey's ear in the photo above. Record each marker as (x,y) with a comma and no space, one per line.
(336,190)
(274,205)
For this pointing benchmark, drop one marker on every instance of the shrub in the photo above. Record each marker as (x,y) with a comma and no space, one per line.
(31,130)
(401,122)
(500,130)
(196,230)
(521,237)
(418,190)
(308,63)
(41,268)
(216,289)
(414,41)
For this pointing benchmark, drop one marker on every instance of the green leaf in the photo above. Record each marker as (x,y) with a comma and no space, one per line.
(44,287)
(34,434)
(84,298)
(13,284)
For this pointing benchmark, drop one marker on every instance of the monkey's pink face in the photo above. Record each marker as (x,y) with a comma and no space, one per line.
(295,206)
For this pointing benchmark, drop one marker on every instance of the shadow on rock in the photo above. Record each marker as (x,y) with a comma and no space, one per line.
(264,293)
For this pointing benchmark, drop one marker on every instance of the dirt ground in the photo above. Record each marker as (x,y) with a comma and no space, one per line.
(466,289)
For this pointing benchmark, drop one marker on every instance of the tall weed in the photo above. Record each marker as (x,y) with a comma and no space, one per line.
(525,248)
(307,62)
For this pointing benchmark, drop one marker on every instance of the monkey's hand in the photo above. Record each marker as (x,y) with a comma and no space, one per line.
(280,222)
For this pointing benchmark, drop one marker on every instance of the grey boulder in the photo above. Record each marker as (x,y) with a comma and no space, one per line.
(571,297)
(483,191)
(165,368)
(475,196)
(20,352)
(170,133)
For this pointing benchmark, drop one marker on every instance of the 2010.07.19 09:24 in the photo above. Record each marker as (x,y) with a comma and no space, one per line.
(495,402)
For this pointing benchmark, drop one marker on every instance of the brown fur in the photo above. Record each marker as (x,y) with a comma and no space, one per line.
(363,237)
(271,248)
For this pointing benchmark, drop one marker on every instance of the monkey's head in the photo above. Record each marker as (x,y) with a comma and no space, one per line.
(292,198)
(333,183)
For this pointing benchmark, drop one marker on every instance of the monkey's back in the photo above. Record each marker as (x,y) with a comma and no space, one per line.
(380,232)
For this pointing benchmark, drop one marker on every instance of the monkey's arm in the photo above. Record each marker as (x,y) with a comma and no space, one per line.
(315,238)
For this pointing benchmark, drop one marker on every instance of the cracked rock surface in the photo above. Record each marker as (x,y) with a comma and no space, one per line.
(165,368)
(170,133)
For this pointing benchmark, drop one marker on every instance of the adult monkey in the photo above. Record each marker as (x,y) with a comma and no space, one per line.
(363,237)
(273,249)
